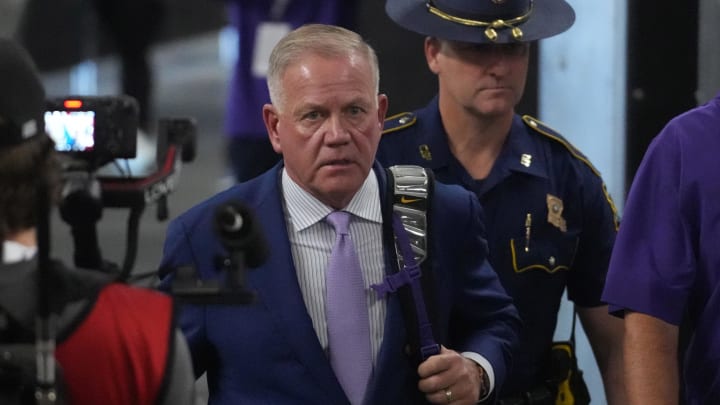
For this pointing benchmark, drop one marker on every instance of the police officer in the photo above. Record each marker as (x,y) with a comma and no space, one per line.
(550,221)
(116,344)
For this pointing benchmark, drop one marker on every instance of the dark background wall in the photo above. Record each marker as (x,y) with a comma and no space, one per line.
(708,50)
(662,71)
(60,33)
(404,74)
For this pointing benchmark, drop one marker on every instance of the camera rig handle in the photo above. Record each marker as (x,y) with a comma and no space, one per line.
(176,143)
(80,206)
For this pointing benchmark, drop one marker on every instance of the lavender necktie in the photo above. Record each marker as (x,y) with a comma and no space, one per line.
(347,313)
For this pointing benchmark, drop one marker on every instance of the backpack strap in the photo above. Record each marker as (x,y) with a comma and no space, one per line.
(411,187)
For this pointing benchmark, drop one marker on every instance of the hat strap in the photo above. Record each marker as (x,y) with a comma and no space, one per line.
(492,26)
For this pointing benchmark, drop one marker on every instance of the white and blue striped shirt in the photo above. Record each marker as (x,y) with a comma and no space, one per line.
(312,239)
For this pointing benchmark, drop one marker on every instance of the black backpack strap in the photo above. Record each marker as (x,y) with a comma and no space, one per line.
(411,188)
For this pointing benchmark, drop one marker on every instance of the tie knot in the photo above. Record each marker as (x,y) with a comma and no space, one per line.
(340,220)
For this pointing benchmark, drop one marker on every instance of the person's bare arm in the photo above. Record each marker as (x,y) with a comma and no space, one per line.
(651,362)
(605,334)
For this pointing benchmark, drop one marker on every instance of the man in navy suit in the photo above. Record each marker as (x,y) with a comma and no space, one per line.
(326,118)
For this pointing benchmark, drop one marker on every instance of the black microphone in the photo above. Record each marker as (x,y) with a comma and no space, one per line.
(229,219)
(238,230)
(241,236)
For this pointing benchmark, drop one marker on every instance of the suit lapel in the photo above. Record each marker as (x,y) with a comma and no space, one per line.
(278,290)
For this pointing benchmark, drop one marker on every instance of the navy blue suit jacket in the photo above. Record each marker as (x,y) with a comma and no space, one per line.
(269,353)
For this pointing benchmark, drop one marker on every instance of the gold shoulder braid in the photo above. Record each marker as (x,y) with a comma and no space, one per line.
(541,128)
(398,122)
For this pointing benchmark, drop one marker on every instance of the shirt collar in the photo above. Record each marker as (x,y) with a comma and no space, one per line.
(521,152)
(15,252)
(305,210)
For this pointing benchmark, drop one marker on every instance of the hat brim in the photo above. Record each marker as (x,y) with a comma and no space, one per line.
(548,18)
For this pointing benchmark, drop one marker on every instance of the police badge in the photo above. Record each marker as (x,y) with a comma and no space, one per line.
(555,209)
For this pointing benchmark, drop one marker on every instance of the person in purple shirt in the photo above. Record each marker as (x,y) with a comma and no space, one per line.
(259,24)
(664,275)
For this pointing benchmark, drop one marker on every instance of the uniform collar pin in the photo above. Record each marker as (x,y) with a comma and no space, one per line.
(425,152)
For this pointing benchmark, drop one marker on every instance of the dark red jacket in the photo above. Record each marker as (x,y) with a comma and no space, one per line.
(119,352)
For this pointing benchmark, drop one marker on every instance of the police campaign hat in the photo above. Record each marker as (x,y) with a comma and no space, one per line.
(22,95)
(483,21)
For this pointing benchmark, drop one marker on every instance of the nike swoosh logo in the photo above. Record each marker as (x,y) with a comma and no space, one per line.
(406,200)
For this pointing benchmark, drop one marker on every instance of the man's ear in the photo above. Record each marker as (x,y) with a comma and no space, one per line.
(432,49)
(383,104)
(272,120)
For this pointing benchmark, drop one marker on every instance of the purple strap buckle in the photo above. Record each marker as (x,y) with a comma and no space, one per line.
(394,281)
(431,350)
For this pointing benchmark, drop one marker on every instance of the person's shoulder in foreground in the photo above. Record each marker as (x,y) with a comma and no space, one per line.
(150,365)
(668,208)
(663,275)
(117,344)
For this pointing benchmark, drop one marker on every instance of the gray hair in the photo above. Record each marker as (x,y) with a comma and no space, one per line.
(316,39)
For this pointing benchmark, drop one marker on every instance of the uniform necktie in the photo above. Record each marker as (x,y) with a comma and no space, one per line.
(347,313)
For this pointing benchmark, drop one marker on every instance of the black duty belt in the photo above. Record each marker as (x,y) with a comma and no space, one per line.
(539,395)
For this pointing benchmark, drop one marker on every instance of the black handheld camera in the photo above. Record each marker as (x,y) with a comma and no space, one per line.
(93,129)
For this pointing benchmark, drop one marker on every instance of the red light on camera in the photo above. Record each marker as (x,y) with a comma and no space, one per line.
(72,104)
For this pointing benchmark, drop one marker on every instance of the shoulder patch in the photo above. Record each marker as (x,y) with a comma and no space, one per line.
(398,122)
(541,128)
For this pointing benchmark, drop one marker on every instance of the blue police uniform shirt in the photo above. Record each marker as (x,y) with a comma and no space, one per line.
(550,221)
